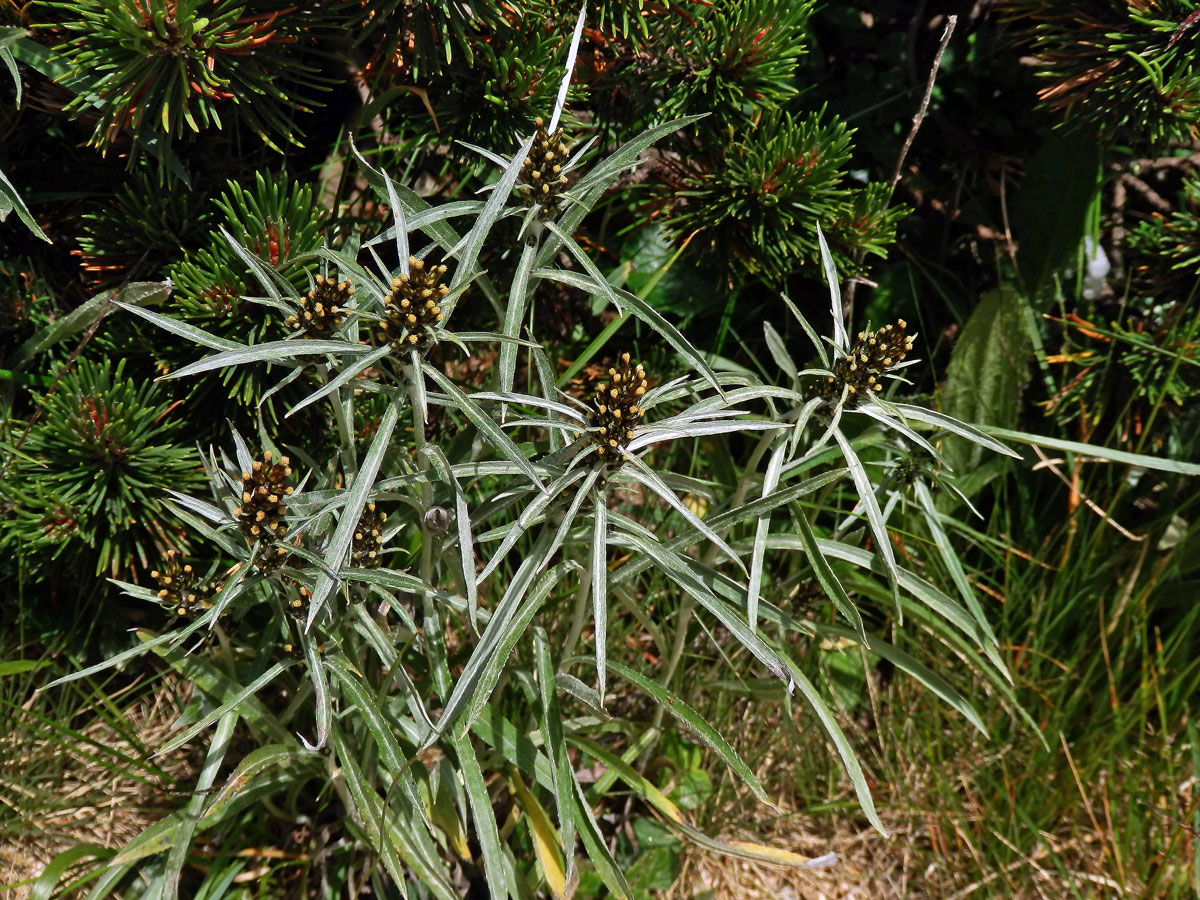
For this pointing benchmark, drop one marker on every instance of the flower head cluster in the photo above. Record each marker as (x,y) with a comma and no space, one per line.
(874,353)
(368,539)
(320,313)
(262,509)
(413,307)
(615,411)
(180,588)
(541,180)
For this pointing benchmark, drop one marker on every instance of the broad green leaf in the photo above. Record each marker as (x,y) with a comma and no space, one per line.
(20,666)
(85,315)
(1050,212)
(987,370)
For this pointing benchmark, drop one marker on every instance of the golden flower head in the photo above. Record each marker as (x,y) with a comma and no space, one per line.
(321,310)
(616,409)
(541,180)
(873,354)
(413,308)
(180,588)
(262,508)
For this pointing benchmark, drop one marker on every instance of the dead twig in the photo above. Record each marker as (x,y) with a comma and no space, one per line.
(918,118)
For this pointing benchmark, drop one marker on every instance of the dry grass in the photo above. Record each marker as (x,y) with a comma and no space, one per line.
(59,790)
(946,824)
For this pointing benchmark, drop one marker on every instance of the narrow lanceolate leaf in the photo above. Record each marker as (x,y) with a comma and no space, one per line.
(513,531)
(118,658)
(656,434)
(687,574)
(183,329)
(481,420)
(600,585)
(469,256)
(841,339)
(813,697)
(402,828)
(546,847)
(268,278)
(231,704)
(367,710)
(962,429)
(550,579)
(187,827)
(556,745)
(595,283)
(565,85)
(675,705)
(601,858)
(399,227)
(514,315)
(870,503)
(757,554)
(779,352)
(10,200)
(643,474)
(828,579)
(919,672)
(496,858)
(1092,451)
(950,558)
(134,295)
(817,343)
(732,517)
(592,185)
(275,351)
(347,373)
(462,522)
(509,618)
(343,535)
(272,756)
